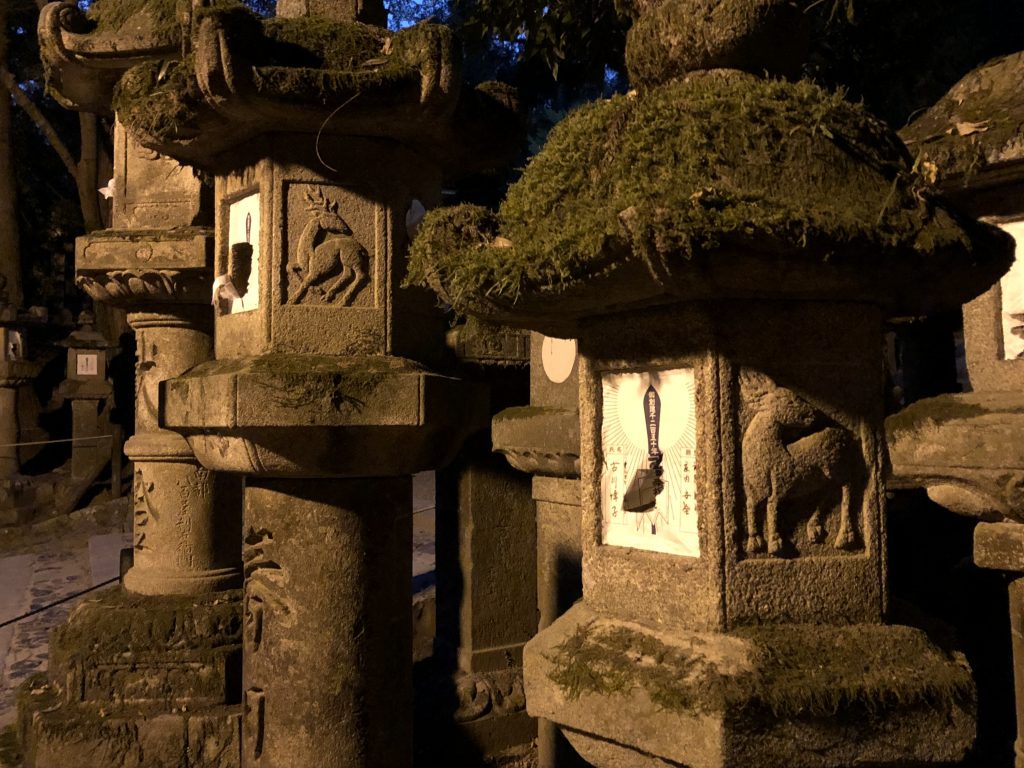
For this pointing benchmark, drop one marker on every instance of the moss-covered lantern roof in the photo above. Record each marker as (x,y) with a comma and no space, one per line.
(718,184)
(218,75)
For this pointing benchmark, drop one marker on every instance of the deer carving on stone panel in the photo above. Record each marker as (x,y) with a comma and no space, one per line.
(327,249)
(792,453)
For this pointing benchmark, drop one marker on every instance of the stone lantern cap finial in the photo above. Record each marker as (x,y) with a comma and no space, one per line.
(670,38)
(716,185)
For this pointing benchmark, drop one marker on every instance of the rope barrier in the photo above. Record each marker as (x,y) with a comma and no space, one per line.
(64,440)
(58,602)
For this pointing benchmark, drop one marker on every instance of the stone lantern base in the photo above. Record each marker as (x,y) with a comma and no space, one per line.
(801,696)
(139,681)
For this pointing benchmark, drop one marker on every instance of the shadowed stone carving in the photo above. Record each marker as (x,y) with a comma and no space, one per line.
(489,693)
(327,249)
(791,452)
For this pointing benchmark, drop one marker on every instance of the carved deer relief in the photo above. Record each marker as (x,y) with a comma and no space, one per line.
(328,257)
(794,456)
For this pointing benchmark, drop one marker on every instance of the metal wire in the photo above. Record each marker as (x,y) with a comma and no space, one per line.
(33,612)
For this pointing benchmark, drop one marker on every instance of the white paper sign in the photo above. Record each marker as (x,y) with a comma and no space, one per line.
(1012,290)
(648,441)
(244,227)
(87,364)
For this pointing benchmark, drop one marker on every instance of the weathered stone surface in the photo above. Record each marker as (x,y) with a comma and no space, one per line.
(761,696)
(988,368)
(335,554)
(999,546)
(126,267)
(976,126)
(486,533)
(56,734)
(354,411)
(85,55)
(758,562)
(538,439)
(675,37)
(965,449)
(119,649)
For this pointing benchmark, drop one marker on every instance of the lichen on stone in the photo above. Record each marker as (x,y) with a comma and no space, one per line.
(809,670)
(978,123)
(614,660)
(711,164)
(112,15)
(795,671)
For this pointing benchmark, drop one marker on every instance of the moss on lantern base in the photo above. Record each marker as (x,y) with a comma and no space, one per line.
(719,162)
(793,670)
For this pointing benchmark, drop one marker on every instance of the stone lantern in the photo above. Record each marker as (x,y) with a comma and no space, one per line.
(320,131)
(90,393)
(16,370)
(725,247)
(967,449)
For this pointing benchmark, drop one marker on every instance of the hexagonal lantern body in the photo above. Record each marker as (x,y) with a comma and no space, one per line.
(769,508)
(315,256)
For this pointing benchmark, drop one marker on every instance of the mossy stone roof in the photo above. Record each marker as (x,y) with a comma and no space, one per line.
(717,185)
(979,123)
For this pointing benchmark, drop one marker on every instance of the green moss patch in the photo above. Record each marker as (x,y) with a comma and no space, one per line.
(10,751)
(615,660)
(934,410)
(794,671)
(113,15)
(817,671)
(118,622)
(303,60)
(160,99)
(716,163)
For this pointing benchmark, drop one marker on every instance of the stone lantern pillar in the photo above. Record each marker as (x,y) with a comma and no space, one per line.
(319,394)
(544,440)
(155,261)
(724,248)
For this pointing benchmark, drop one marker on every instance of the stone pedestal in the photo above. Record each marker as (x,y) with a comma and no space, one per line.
(9,463)
(327,630)
(138,681)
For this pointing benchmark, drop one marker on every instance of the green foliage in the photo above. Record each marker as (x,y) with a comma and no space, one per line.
(582,35)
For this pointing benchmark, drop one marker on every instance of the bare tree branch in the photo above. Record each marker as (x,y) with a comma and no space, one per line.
(23,101)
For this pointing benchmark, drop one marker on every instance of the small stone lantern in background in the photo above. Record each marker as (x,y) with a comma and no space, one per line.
(725,248)
(91,397)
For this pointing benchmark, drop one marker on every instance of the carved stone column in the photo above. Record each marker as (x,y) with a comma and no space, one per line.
(186,518)
(486,546)
(296,680)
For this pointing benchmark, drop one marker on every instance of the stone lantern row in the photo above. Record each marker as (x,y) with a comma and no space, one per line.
(722,410)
